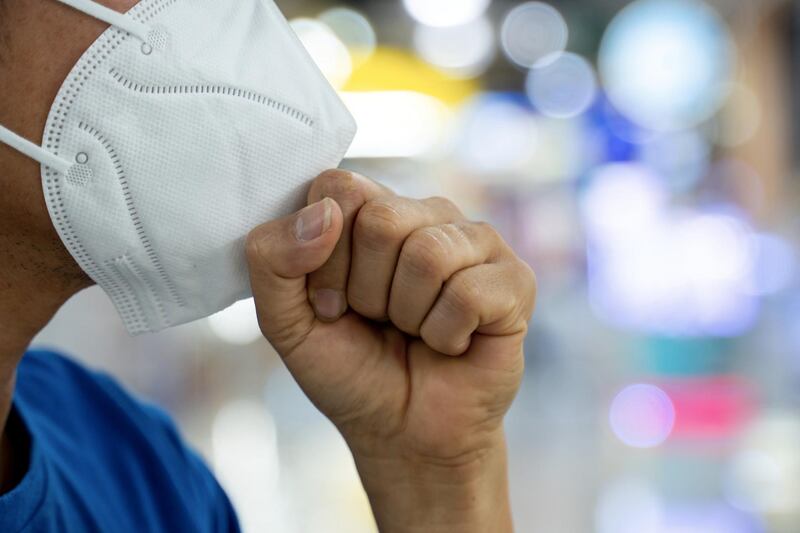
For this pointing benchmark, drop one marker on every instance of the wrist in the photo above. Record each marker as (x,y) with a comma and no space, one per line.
(411,493)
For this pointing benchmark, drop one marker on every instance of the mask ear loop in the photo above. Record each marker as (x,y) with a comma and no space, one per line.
(34,151)
(109,16)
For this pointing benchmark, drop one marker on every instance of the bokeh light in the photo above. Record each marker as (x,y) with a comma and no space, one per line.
(498,134)
(328,51)
(719,246)
(245,455)
(775,264)
(353,29)
(735,181)
(465,50)
(661,268)
(709,408)
(642,416)
(764,473)
(629,506)
(395,123)
(623,202)
(237,325)
(681,158)
(563,88)
(739,119)
(533,33)
(667,64)
(445,12)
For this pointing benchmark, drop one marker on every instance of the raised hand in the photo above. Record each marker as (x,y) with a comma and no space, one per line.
(403,322)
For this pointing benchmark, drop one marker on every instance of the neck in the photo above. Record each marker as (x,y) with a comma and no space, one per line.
(32,289)
(42,42)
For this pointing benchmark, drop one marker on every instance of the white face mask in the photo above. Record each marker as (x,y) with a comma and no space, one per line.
(184,126)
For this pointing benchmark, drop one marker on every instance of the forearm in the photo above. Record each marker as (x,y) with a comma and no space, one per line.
(409,496)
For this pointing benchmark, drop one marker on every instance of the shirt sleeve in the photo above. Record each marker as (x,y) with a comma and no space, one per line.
(211,500)
(115,463)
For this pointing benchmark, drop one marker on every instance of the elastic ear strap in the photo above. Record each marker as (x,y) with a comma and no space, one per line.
(33,151)
(109,16)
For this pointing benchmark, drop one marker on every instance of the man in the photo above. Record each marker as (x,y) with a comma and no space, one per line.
(401,320)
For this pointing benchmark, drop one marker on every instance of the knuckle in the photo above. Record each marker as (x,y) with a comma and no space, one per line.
(429,332)
(379,222)
(255,246)
(444,204)
(462,295)
(488,230)
(334,183)
(402,322)
(531,288)
(475,236)
(530,278)
(464,236)
(367,306)
(424,253)
(440,340)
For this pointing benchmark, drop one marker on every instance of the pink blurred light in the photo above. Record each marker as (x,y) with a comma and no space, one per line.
(710,408)
(642,416)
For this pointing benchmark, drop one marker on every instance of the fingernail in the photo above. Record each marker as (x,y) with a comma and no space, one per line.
(328,304)
(313,221)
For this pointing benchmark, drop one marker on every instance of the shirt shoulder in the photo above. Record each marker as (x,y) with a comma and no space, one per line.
(112,460)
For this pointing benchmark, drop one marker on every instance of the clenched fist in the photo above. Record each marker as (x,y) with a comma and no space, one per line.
(403,322)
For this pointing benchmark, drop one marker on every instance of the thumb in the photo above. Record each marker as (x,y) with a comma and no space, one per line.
(280,254)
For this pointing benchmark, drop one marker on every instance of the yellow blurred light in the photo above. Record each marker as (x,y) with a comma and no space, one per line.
(390,69)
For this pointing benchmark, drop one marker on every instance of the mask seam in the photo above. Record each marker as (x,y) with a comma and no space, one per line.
(127,302)
(53,186)
(96,55)
(244,94)
(133,213)
(135,272)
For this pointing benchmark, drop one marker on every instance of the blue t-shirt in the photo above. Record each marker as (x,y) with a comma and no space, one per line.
(102,461)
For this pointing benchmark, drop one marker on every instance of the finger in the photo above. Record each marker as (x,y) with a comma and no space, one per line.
(492,299)
(327,287)
(280,254)
(381,228)
(430,256)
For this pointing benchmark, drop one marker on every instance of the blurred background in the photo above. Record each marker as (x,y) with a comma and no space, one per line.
(642,156)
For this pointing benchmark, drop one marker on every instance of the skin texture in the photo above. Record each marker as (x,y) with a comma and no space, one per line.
(401,320)
(37,274)
(420,371)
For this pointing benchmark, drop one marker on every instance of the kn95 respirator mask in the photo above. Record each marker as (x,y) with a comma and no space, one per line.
(184,126)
